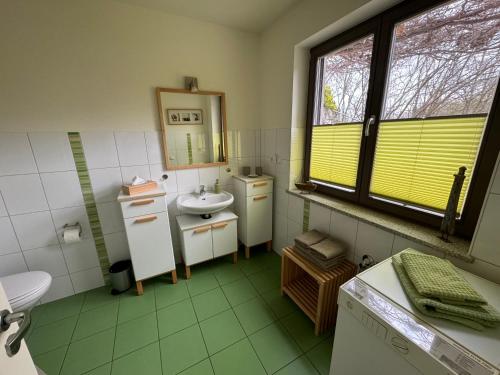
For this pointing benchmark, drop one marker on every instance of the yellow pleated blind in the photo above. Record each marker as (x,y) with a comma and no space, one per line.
(415,160)
(335,153)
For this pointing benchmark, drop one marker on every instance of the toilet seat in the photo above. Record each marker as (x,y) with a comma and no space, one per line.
(25,289)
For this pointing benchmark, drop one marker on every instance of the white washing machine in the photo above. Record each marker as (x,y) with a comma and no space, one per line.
(379,332)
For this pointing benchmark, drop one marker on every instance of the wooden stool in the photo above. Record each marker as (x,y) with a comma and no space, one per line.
(313,289)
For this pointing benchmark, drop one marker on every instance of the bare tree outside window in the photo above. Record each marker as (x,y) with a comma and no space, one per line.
(443,62)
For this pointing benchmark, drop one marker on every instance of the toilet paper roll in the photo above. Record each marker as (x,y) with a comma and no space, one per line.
(72,233)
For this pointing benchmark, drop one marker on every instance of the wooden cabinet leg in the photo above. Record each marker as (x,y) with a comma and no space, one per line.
(174,277)
(188,272)
(269,245)
(140,290)
(235,257)
(247,252)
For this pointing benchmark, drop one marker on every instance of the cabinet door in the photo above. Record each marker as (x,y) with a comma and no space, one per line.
(259,219)
(224,238)
(150,245)
(197,245)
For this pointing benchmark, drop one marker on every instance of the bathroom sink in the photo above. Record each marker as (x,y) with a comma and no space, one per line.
(210,203)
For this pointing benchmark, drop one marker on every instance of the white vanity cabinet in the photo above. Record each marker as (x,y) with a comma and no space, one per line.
(148,234)
(253,201)
(205,239)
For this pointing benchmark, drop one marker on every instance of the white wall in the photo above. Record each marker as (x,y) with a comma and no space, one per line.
(94,64)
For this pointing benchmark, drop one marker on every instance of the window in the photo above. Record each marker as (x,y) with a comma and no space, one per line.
(399,103)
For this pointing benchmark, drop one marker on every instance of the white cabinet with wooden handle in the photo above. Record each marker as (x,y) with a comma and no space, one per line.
(148,234)
(205,239)
(253,200)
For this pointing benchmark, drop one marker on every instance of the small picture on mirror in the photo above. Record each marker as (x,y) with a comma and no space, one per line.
(185,116)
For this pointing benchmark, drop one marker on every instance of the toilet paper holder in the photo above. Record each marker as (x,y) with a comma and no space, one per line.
(72,228)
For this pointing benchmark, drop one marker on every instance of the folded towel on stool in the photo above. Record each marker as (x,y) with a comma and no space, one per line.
(328,248)
(310,238)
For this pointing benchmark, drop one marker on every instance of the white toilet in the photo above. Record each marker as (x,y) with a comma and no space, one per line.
(25,289)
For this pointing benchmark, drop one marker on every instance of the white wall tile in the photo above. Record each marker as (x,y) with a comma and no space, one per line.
(16,156)
(487,239)
(258,151)
(296,171)
(188,180)
(246,143)
(373,241)
(480,268)
(11,264)
(35,230)
(401,243)
(226,172)
(106,183)
(269,165)
(52,151)
(283,173)
(128,173)
(131,148)
(117,246)
(62,189)
(296,209)
(208,176)
(3,209)
(319,218)
(8,239)
(61,287)
(172,206)
(80,255)
(71,216)
(49,259)
(110,216)
(281,201)
(283,143)
(280,232)
(344,228)
(297,143)
(293,230)
(268,142)
(100,149)
(23,194)
(154,146)
(87,280)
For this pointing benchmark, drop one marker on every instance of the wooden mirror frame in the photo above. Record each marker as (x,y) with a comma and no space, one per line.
(222,95)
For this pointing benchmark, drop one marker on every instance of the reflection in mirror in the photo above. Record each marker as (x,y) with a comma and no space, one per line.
(193,126)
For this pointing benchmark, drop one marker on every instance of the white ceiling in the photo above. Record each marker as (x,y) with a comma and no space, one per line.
(248,15)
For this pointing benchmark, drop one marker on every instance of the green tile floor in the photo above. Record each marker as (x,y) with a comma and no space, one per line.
(227,319)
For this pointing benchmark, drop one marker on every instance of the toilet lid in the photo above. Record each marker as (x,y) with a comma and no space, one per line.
(22,285)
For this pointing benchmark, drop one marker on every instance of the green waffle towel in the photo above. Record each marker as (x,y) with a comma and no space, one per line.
(476,317)
(438,278)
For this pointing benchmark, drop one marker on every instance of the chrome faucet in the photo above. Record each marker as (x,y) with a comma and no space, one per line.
(202,192)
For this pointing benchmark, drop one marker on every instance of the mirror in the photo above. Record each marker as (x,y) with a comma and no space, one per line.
(193,126)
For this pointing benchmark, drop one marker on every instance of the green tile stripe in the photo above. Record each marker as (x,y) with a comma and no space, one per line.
(190,148)
(88,197)
(305,222)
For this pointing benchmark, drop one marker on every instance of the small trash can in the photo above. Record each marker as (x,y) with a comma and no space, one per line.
(120,274)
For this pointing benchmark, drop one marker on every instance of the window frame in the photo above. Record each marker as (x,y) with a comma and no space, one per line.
(382,28)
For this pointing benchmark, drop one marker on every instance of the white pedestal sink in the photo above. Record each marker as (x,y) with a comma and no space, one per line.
(205,205)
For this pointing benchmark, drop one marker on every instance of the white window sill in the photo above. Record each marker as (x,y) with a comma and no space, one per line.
(457,247)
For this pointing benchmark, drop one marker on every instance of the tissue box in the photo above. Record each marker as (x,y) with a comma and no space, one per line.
(141,188)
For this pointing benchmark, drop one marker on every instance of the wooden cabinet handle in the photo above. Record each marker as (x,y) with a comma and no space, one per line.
(145,219)
(260,197)
(257,184)
(142,202)
(220,225)
(201,229)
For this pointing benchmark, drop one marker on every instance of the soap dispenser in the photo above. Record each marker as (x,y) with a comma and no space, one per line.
(217,188)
